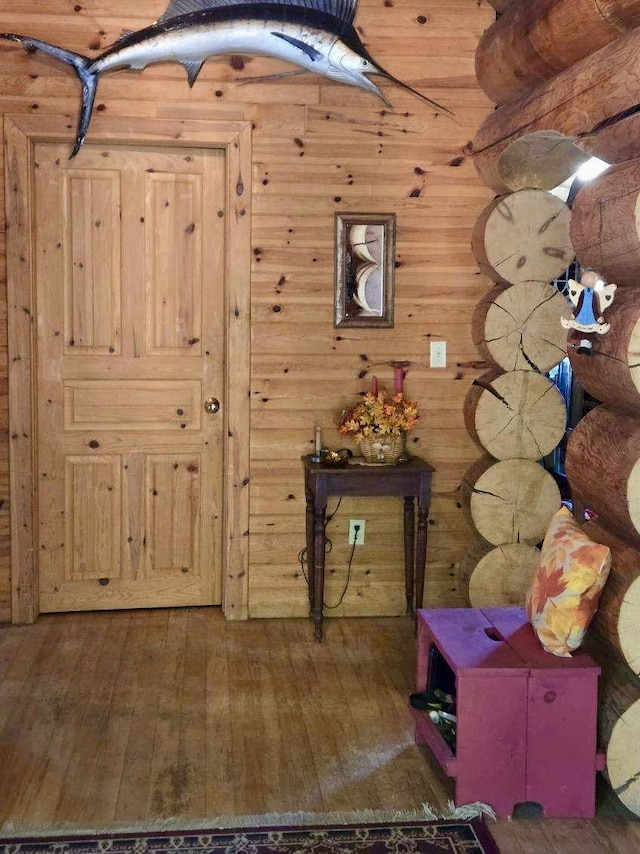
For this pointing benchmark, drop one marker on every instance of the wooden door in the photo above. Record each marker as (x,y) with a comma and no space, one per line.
(129,247)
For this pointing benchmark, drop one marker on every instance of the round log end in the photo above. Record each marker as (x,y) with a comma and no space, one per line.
(513,501)
(519,328)
(523,237)
(629,625)
(503,576)
(623,758)
(540,160)
(520,414)
(472,556)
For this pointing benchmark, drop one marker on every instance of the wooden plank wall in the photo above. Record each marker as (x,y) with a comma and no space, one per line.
(318,148)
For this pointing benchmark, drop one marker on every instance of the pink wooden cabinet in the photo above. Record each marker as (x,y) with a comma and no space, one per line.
(526,720)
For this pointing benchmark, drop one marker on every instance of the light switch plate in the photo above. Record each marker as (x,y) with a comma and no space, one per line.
(438,354)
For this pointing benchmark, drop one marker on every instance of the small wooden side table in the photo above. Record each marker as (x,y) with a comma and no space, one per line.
(411,480)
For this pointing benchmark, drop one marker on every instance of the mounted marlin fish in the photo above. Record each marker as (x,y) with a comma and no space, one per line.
(316,35)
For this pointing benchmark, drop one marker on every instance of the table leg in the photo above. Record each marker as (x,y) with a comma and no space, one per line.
(409,551)
(311,563)
(421,553)
(318,589)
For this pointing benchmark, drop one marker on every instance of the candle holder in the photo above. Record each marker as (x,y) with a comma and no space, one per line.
(334,459)
(316,457)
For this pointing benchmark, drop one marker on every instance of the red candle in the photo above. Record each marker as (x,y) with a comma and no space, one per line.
(398,373)
(374,386)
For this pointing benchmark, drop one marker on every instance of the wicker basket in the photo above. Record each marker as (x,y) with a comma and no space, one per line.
(385,450)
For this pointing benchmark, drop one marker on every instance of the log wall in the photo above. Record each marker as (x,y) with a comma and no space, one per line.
(537,140)
(535,40)
(318,148)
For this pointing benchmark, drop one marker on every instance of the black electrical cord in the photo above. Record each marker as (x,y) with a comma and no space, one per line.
(328,546)
(330,517)
(356,531)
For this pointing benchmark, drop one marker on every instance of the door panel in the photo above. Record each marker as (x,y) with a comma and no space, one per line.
(92,251)
(133,405)
(174,270)
(173,501)
(92,511)
(130,335)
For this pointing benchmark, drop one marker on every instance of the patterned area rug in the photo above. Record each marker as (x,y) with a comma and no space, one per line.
(453,836)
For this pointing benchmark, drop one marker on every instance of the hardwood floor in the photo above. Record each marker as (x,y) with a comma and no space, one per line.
(129,717)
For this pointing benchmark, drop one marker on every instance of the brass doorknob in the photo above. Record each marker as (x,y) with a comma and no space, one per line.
(211,405)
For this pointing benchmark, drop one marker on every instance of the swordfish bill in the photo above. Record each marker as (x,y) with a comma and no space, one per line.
(315,35)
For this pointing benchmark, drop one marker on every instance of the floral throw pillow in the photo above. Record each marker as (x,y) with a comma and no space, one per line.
(566,586)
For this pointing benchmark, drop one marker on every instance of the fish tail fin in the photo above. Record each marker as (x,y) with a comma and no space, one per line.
(89,86)
(81,65)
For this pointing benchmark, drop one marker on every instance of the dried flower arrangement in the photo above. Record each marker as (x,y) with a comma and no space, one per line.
(377,415)
(378,424)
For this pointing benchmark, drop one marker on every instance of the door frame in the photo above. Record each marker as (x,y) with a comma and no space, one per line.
(21,134)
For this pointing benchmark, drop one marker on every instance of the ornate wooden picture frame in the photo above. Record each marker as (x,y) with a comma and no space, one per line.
(365,262)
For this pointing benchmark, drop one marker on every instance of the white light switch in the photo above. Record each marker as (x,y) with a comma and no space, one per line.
(438,354)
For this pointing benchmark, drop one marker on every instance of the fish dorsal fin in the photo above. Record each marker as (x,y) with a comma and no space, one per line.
(345,10)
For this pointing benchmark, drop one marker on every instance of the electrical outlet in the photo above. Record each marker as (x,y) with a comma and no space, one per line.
(352,532)
(438,354)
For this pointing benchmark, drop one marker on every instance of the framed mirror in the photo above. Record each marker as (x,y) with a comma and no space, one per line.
(365,261)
